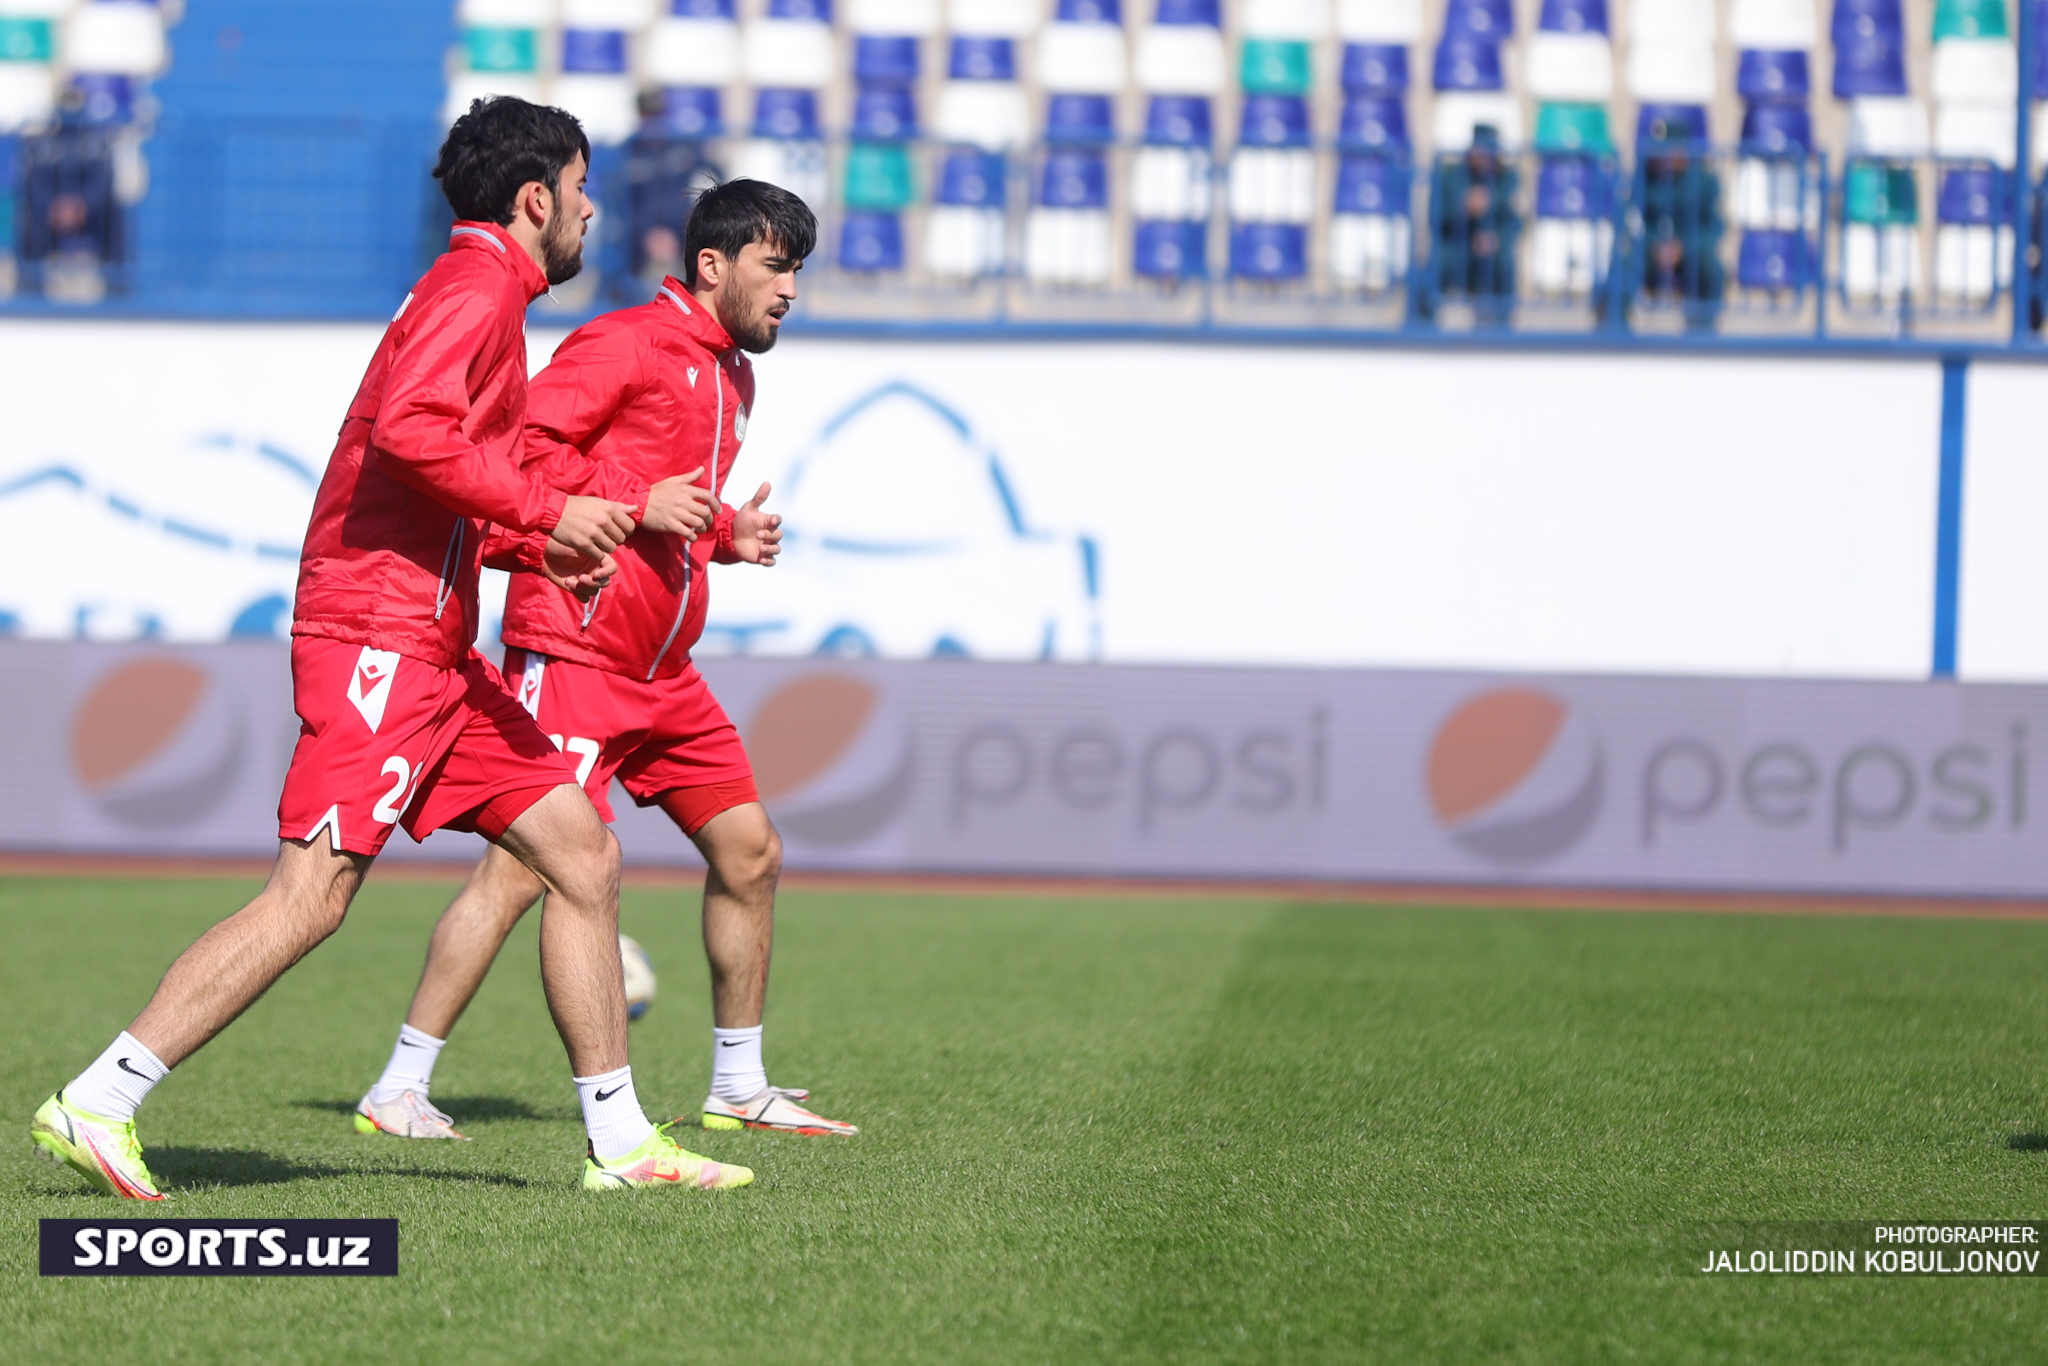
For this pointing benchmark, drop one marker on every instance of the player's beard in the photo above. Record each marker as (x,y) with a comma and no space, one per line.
(748,326)
(561,248)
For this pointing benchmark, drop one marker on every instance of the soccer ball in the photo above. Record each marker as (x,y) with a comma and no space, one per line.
(639,977)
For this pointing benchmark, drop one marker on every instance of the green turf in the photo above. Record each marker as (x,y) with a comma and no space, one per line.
(1117,1130)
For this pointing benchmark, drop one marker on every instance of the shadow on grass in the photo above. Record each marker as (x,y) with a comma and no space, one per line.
(2028,1143)
(231,1167)
(463,1108)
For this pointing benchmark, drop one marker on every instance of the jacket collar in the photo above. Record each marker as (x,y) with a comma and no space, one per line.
(697,321)
(495,241)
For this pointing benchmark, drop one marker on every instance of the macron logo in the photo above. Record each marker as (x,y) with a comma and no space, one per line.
(692,373)
(369,685)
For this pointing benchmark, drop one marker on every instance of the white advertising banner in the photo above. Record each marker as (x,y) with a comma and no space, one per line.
(1130,503)
(1345,775)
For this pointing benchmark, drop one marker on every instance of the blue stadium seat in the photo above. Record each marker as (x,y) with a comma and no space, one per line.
(1574,187)
(1073,178)
(1573,16)
(1178,121)
(1868,21)
(1374,69)
(1490,20)
(1671,125)
(1870,67)
(1774,261)
(1274,121)
(1772,75)
(690,112)
(1466,63)
(1771,129)
(969,178)
(982,59)
(1974,196)
(104,100)
(1372,123)
(1170,249)
(1372,185)
(884,113)
(1080,120)
(593,51)
(884,59)
(786,115)
(1269,252)
(870,242)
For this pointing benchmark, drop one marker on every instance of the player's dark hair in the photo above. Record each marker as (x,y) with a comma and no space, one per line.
(500,144)
(730,217)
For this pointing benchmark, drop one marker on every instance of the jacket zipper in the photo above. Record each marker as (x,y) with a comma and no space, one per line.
(447,584)
(689,565)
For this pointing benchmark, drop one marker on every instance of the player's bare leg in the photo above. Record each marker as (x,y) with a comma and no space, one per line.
(236,961)
(500,891)
(743,858)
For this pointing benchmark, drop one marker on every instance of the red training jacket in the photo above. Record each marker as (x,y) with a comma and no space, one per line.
(426,459)
(645,393)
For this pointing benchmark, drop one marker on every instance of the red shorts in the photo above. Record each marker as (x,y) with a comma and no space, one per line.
(385,741)
(656,738)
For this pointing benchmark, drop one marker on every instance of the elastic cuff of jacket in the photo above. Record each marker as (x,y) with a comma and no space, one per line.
(552,510)
(722,549)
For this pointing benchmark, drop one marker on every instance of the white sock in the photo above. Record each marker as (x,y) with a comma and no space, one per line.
(612,1114)
(411,1067)
(118,1080)
(736,1071)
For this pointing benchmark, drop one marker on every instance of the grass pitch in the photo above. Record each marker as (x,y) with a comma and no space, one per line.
(1113,1130)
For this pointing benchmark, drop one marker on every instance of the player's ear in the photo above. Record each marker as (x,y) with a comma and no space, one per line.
(710,267)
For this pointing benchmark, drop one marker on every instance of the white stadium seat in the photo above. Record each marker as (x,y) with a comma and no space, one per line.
(1976,70)
(125,39)
(1887,127)
(989,114)
(1081,59)
(1181,59)
(1380,21)
(1676,72)
(915,18)
(1773,25)
(1456,114)
(703,52)
(1569,66)
(995,18)
(796,54)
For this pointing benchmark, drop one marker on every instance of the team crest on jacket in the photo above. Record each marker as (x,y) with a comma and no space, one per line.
(369,684)
(739,424)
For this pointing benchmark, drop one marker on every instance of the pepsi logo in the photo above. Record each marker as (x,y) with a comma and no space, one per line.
(1515,776)
(157,743)
(832,758)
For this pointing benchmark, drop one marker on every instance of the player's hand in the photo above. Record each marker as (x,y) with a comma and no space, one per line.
(680,506)
(578,573)
(592,527)
(757,535)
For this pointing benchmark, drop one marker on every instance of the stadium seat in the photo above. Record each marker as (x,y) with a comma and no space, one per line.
(1671,21)
(1491,21)
(910,18)
(1272,184)
(689,112)
(595,86)
(884,113)
(1887,127)
(1181,51)
(500,52)
(871,243)
(1573,128)
(1170,187)
(1676,124)
(1880,256)
(1772,75)
(789,48)
(1980,70)
(1773,25)
(1674,72)
(1380,21)
(1374,69)
(1170,249)
(1082,50)
(785,147)
(1775,262)
(1867,21)
(1456,119)
(1268,252)
(981,102)
(1771,129)
(1465,64)
(1573,16)
(1573,235)
(1976,132)
(1973,238)
(994,18)
(1300,20)
(1066,236)
(1373,123)
(1275,66)
(889,59)
(1080,120)
(1874,68)
(1576,67)
(698,46)
(1969,20)
(965,229)
(1370,231)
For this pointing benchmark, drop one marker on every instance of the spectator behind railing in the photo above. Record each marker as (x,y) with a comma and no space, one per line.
(72,224)
(1476,226)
